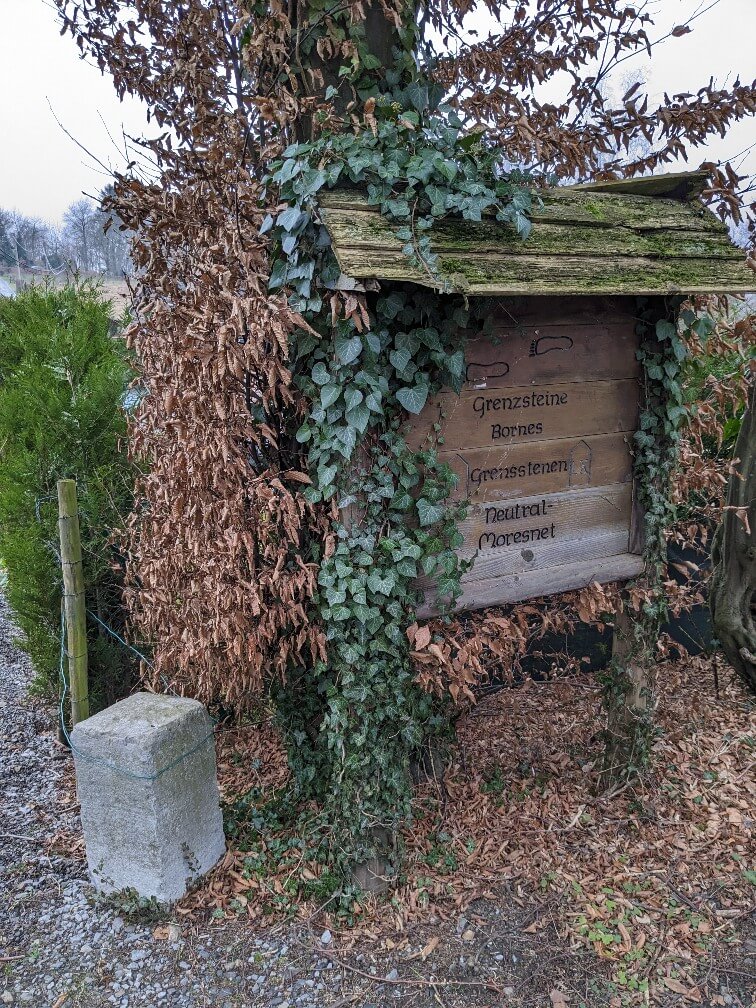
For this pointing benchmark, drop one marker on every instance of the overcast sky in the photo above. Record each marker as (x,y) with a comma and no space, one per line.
(42,171)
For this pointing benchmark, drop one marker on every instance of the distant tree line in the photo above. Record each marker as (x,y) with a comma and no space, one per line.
(90,241)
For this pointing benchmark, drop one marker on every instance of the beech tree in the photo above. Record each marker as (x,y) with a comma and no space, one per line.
(245,575)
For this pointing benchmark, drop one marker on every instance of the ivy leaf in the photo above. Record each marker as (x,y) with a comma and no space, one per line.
(418,96)
(359,417)
(303,434)
(524,226)
(381,585)
(400,359)
(703,328)
(390,306)
(397,208)
(309,182)
(326,475)
(455,364)
(288,244)
(665,330)
(290,219)
(287,171)
(401,502)
(681,351)
(373,341)
(446,586)
(328,395)
(320,374)
(448,169)
(352,398)
(413,399)
(429,513)
(407,568)
(279,274)
(340,613)
(348,348)
(348,438)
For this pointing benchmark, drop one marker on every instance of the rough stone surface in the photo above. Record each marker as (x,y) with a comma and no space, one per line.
(146,780)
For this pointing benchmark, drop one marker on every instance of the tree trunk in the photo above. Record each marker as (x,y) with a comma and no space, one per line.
(629,682)
(317,73)
(732,595)
(629,698)
(304,707)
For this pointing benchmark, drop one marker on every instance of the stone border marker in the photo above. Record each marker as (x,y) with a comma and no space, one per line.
(147,784)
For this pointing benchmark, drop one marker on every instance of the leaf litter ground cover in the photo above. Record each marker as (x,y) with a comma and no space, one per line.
(657,884)
(521,887)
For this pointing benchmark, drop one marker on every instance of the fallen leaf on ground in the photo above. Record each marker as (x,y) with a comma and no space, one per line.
(676,985)
(430,948)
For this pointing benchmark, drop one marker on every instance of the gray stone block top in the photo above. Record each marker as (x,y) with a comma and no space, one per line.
(136,714)
(149,731)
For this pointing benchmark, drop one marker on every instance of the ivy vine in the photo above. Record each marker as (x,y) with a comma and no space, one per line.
(354,721)
(662,329)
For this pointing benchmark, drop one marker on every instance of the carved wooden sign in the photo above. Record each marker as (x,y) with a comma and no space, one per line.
(541,440)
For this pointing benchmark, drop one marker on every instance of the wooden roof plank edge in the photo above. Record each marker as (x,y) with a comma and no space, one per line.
(673,185)
(543,274)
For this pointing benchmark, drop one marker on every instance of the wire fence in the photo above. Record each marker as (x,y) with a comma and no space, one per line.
(108,764)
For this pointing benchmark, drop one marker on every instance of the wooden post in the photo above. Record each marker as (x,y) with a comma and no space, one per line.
(74,604)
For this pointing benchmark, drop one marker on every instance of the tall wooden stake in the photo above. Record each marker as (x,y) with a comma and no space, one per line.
(73,599)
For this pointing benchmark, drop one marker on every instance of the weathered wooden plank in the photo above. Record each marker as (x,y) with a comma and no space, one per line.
(617,210)
(523,528)
(551,352)
(492,275)
(368,230)
(540,467)
(676,185)
(573,205)
(477,419)
(493,591)
(595,543)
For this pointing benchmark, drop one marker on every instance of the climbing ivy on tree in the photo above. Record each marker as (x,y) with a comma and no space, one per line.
(365,361)
(663,330)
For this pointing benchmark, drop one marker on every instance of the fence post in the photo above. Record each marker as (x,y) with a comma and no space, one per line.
(74,603)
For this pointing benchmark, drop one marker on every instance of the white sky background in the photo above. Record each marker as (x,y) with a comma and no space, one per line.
(42,170)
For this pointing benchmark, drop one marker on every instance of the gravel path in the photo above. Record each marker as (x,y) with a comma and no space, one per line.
(59,948)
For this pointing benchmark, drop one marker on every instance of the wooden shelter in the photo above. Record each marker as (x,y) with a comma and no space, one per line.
(643,236)
(541,435)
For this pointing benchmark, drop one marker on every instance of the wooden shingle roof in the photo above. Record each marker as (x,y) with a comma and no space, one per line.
(641,236)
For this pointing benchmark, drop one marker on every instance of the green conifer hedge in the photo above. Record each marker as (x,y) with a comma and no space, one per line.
(63,379)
